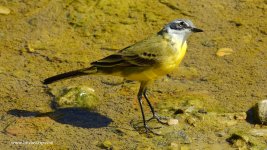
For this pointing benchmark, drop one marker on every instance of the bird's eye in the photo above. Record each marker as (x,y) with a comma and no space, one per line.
(178,26)
(182,24)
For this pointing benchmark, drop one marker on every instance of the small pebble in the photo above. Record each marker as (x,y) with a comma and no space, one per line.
(4,10)
(172,122)
(224,51)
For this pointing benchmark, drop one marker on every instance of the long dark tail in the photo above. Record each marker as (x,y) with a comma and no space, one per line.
(70,74)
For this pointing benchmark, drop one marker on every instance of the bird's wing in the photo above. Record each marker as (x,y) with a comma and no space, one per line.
(145,53)
(110,61)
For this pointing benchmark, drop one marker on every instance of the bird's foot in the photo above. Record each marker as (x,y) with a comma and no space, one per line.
(150,130)
(145,129)
(159,119)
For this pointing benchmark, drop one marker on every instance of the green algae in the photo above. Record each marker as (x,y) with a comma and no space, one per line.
(81,97)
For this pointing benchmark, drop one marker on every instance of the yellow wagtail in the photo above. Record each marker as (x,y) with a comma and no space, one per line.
(144,61)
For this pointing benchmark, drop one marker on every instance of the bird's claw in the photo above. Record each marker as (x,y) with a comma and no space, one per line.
(146,128)
(149,130)
(158,118)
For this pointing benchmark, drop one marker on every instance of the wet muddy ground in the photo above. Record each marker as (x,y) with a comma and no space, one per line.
(210,95)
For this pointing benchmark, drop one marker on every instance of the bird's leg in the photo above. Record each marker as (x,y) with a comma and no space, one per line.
(155,116)
(139,96)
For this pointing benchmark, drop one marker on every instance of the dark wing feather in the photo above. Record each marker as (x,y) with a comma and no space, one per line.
(110,61)
(140,60)
(142,54)
(129,61)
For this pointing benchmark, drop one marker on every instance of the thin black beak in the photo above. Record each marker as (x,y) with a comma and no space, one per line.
(196,30)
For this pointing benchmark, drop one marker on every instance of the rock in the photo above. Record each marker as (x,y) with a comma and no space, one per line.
(82,97)
(224,51)
(258,132)
(172,122)
(261,111)
(4,10)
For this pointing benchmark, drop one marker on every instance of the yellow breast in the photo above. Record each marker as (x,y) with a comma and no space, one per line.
(168,64)
(173,61)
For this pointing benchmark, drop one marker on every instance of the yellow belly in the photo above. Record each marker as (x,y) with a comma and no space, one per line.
(166,67)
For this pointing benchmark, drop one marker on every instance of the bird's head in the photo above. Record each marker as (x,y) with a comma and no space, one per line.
(180,28)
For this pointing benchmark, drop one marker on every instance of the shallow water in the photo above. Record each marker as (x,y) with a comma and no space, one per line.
(42,38)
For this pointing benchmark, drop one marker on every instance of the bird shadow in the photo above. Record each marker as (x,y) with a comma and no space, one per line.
(73,116)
